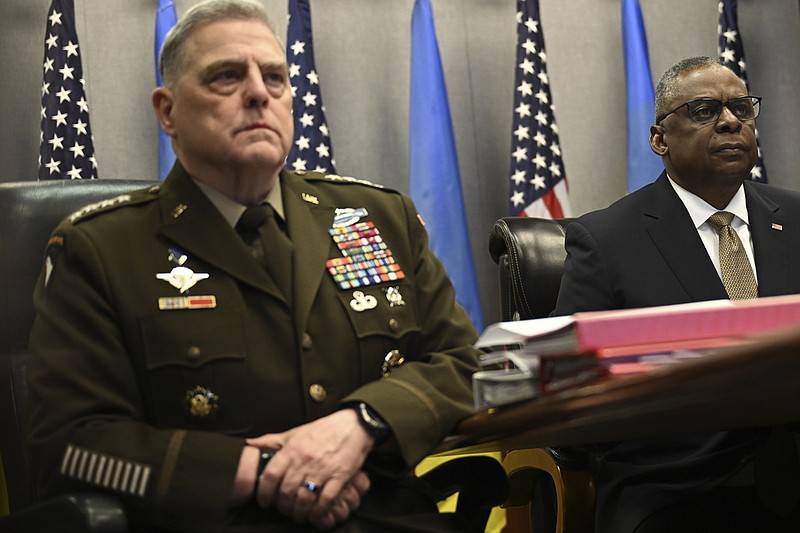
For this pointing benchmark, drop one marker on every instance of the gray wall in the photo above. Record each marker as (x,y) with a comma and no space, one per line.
(362,52)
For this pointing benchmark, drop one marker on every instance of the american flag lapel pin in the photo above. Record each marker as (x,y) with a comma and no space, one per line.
(777,227)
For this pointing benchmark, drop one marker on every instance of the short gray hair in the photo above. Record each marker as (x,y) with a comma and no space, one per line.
(669,87)
(171,57)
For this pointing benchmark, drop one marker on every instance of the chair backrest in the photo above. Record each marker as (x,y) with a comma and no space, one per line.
(29,211)
(530,253)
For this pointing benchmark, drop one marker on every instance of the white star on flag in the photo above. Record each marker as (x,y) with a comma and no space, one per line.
(312,150)
(66,150)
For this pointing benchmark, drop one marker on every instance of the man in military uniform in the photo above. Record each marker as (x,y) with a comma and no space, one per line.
(177,367)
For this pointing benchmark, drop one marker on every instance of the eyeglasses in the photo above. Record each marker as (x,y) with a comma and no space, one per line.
(707,110)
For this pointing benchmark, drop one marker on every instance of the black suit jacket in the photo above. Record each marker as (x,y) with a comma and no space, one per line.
(642,251)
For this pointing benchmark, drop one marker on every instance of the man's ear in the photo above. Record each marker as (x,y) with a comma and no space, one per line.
(658,144)
(162,104)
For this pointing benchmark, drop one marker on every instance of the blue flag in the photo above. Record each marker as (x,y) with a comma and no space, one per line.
(66,149)
(312,148)
(434,175)
(731,53)
(644,166)
(165,20)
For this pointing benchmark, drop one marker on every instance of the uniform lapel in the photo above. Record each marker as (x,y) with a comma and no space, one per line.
(676,239)
(770,245)
(308,218)
(191,221)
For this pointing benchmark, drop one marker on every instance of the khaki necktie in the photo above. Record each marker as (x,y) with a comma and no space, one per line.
(259,228)
(775,464)
(737,274)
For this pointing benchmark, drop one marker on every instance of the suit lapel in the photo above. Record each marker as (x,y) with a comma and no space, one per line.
(769,243)
(676,238)
(191,221)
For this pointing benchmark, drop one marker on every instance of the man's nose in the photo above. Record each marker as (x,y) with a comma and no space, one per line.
(255,90)
(727,120)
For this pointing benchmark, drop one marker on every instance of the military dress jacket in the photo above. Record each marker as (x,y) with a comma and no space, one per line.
(160,343)
(642,251)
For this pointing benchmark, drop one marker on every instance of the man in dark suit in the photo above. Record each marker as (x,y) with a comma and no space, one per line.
(656,247)
(177,370)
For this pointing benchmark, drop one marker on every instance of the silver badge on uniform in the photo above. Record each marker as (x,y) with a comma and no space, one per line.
(182,278)
(362,302)
(394,297)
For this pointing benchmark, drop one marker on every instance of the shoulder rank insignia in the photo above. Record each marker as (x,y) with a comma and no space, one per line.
(134,197)
(99,206)
(349,179)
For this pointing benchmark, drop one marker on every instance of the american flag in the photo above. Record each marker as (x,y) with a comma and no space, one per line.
(66,150)
(731,52)
(538,179)
(312,148)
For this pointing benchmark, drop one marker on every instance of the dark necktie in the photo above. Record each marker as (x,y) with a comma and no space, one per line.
(258,226)
(737,274)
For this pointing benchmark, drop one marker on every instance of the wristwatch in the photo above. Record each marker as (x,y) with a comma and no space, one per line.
(373,423)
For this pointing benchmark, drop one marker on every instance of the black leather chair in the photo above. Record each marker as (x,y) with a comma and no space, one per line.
(551,490)
(29,211)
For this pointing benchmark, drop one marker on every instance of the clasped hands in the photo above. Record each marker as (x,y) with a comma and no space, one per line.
(315,476)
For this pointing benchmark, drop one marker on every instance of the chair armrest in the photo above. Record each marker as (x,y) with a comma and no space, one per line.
(87,512)
(561,499)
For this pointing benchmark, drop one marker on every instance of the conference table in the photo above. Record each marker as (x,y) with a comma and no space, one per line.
(749,385)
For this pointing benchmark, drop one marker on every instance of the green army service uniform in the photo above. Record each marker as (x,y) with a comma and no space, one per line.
(160,343)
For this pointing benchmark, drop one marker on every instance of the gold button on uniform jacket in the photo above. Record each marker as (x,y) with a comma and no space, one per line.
(161,343)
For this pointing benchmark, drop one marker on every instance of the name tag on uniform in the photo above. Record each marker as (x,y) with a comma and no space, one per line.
(171,303)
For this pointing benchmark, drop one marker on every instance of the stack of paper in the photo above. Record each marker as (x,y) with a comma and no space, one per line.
(528,358)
